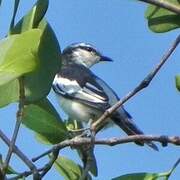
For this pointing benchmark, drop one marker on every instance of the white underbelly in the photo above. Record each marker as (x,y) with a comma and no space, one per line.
(78,111)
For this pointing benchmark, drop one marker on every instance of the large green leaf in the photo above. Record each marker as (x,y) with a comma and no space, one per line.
(43,119)
(142,176)
(69,169)
(18,55)
(38,83)
(162,20)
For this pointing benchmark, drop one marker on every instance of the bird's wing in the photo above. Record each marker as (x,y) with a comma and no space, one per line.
(81,84)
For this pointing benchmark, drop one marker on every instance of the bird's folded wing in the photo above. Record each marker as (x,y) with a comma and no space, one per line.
(82,88)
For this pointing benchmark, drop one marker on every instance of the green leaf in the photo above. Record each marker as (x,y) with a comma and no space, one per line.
(32,18)
(16,4)
(161,20)
(69,169)
(9,93)
(43,119)
(38,83)
(18,55)
(177,79)
(142,176)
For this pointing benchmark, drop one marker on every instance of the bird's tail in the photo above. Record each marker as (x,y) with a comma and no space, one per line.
(125,122)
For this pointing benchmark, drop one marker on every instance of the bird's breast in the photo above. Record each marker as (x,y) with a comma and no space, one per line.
(78,111)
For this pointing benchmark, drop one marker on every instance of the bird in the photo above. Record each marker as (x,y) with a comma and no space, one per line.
(84,96)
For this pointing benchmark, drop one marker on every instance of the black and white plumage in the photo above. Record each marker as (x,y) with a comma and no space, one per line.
(83,95)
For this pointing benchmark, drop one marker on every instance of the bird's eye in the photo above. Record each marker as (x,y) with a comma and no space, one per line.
(89,49)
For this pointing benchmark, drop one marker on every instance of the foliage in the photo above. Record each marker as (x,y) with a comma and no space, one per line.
(161,20)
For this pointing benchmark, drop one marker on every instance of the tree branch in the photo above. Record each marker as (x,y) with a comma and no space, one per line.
(18,152)
(76,142)
(48,166)
(79,141)
(143,84)
(164,4)
(16,129)
(23,174)
(18,123)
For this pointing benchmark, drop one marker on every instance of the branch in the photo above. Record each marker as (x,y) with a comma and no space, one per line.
(76,142)
(143,84)
(19,114)
(23,174)
(164,4)
(48,166)
(19,153)
(18,123)
(79,141)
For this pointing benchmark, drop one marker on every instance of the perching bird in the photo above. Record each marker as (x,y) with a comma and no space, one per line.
(83,95)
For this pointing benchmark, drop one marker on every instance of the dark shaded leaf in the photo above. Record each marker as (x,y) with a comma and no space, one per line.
(161,20)
(177,78)
(38,84)
(43,119)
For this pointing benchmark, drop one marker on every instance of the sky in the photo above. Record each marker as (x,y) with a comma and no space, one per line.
(119,30)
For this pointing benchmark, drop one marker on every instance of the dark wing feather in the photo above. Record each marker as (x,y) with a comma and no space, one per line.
(79,83)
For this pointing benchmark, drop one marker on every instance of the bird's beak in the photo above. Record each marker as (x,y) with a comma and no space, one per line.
(105,58)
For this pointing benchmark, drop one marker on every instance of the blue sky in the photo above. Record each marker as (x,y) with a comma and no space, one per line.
(119,30)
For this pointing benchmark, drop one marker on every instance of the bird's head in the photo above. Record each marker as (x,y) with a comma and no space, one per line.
(84,54)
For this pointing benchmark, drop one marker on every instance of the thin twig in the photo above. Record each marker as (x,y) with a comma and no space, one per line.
(164,4)
(76,142)
(89,161)
(48,166)
(18,122)
(24,174)
(19,153)
(143,84)
(16,129)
